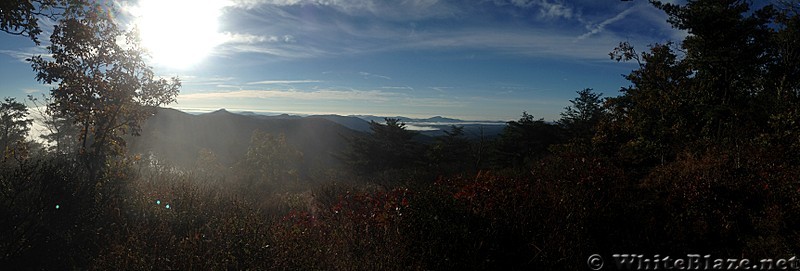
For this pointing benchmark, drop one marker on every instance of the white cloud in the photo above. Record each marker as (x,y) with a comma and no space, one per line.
(319,95)
(371,75)
(407,9)
(285,50)
(25,53)
(441,89)
(326,95)
(331,35)
(228,86)
(282,82)
(547,9)
(251,39)
(554,10)
(537,43)
(397,88)
(245,38)
(203,80)
(602,25)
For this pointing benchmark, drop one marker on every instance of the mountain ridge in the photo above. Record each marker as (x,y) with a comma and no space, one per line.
(178,136)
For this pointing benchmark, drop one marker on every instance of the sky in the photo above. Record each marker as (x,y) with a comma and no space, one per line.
(468,59)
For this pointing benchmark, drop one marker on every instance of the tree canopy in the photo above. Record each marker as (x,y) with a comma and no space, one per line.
(580,118)
(14,124)
(526,139)
(103,82)
(21,17)
(390,146)
(720,86)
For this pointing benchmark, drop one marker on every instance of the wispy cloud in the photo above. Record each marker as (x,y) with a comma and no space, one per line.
(372,75)
(602,25)
(25,53)
(323,95)
(229,86)
(536,43)
(410,9)
(441,89)
(319,95)
(282,82)
(326,32)
(547,9)
(251,39)
(194,80)
(397,88)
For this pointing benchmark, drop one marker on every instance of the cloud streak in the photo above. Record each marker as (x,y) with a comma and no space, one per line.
(292,94)
(323,95)
(547,9)
(602,25)
(289,29)
(283,82)
(371,75)
(25,53)
(392,10)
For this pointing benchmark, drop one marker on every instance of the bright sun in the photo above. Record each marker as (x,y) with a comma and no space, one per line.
(179,33)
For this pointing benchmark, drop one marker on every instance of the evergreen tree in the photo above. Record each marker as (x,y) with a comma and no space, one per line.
(580,118)
(526,139)
(14,125)
(389,146)
(450,152)
(719,91)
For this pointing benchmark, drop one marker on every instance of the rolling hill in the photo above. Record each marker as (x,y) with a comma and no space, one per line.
(177,136)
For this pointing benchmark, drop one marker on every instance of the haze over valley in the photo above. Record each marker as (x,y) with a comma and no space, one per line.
(399,135)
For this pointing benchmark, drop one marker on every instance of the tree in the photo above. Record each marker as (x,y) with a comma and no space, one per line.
(526,139)
(783,73)
(61,132)
(580,118)
(730,76)
(782,82)
(450,151)
(21,17)
(272,159)
(14,125)
(390,146)
(727,50)
(103,83)
(208,165)
(656,116)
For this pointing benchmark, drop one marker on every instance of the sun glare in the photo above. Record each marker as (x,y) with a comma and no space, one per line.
(179,33)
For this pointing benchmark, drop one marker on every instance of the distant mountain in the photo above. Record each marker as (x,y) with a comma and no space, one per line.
(178,137)
(435,126)
(471,131)
(380,119)
(440,119)
(220,112)
(351,122)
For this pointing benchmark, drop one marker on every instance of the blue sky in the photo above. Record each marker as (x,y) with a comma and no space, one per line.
(470,59)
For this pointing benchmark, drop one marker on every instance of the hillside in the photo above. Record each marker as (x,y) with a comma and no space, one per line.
(177,136)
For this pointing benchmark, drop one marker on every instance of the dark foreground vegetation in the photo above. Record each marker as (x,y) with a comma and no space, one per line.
(700,154)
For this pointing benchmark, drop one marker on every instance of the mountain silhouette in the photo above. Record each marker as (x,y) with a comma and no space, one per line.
(176,136)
